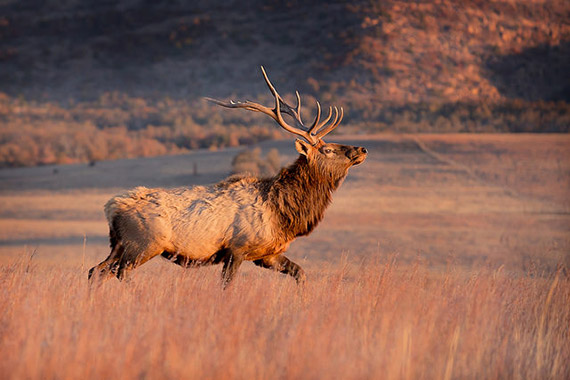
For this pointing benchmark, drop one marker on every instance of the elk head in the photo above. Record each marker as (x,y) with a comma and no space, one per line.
(328,157)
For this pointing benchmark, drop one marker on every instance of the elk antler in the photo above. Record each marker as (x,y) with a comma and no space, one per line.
(313,134)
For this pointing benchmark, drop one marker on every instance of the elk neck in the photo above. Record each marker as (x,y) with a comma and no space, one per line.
(299,195)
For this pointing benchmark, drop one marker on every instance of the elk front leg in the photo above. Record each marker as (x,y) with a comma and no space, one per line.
(231,265)
(282,264)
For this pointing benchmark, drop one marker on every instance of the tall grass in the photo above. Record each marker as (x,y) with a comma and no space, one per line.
(376,319)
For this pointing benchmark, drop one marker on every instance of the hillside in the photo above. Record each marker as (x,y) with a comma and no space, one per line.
(131,74)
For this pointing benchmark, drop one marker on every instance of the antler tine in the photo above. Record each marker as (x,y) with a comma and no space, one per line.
(316,126)
(279,118)
(317,118)
(275,112)
(298,108)
(295,112)
(246,105)
(313,135)
(332,125)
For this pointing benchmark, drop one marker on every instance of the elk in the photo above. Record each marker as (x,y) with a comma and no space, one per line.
(240,218)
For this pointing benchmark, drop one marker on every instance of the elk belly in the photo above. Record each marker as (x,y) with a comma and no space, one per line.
(202,229)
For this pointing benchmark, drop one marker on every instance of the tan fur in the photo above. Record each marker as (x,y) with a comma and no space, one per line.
(194,223)
(242,218)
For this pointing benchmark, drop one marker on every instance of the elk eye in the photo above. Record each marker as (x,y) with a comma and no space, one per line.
(327,151)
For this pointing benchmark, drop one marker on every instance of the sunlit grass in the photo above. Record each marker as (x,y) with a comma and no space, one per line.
(375,319)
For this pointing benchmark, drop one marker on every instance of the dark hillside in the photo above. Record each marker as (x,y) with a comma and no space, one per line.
(537,73)
(396,51)
(91,80)
(144,48)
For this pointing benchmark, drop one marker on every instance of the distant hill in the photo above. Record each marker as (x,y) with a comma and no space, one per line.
(475,65)
(390,50)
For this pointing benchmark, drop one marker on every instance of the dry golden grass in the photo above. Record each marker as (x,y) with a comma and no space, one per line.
(477,224)
(369,320)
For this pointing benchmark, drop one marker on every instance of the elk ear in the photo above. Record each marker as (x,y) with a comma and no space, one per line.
(302,147)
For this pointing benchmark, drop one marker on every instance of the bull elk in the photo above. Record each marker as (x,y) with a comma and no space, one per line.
(240,218)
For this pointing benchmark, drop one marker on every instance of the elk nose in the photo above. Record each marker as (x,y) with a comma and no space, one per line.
(363,150)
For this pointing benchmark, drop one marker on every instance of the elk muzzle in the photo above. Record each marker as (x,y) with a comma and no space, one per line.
(357,155)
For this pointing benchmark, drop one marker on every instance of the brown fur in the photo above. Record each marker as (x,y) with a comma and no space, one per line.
(241,218)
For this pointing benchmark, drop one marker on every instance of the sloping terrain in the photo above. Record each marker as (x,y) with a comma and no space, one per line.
(389,51)
(86,81)
(163,48)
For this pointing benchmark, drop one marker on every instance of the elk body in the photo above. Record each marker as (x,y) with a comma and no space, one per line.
(241,218)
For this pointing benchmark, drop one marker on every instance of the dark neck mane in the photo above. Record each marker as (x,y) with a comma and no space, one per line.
(299,195)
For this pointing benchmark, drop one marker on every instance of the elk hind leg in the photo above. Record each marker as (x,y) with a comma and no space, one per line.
(282,264)
(132,258)
(232,263)
(108,267)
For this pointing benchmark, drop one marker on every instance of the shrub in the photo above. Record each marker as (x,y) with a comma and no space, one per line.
(250,162)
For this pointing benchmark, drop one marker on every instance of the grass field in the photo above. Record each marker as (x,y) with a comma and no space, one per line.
(442,256)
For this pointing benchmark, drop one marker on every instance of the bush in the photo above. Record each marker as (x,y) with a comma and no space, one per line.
(251,162)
